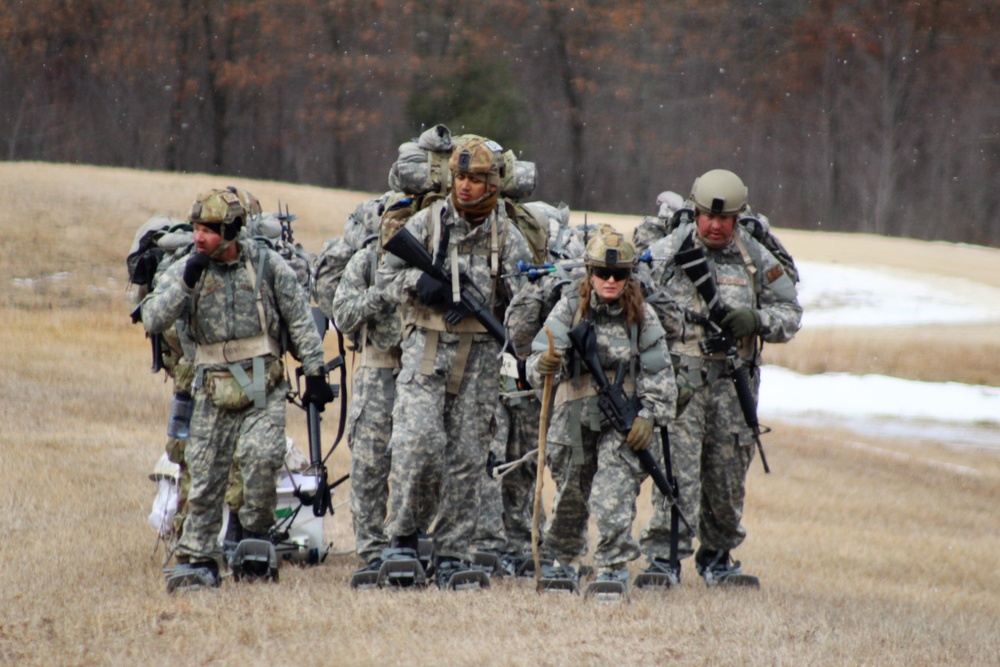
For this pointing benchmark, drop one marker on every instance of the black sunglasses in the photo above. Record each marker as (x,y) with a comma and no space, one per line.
(604,273)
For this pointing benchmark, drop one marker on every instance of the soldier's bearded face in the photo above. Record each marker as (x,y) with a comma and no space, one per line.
(469,187)
(716,231)
(206,240)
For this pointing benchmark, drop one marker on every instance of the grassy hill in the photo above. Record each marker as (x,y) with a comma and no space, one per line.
(870,550)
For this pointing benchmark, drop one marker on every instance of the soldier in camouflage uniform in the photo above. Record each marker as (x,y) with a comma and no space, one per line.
(372,323)
(237,298)
(447,389)
(712,447)
(594,469)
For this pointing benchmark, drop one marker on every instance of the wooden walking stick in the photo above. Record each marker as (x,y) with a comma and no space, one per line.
(543,427)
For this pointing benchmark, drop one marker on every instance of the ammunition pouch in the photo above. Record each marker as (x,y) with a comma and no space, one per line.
(226,392)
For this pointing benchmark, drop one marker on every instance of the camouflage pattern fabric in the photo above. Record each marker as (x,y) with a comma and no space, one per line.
(439,440)
(518,486)
(329,266)
(252,438)
(597,479)
(357,305)
(711,449)
(710,444)
(490,534)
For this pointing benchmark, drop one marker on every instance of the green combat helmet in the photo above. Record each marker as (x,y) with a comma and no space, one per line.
(719,191)
(478,155)
(220,210)
(611,250)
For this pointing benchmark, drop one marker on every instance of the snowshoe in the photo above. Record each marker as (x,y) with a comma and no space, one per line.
(367,577)
(718,569)
(455,575)
(526,568)
(254,559)
(557,578)
(489,562)
(190,576)
(661,574)
(610,586)
(400,568)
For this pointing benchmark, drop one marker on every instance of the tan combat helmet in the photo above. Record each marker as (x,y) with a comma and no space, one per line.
(719,191)
(478,155)
(611,250)
(250,203)
(220,210)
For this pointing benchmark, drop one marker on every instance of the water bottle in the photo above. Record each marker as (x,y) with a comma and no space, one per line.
(179,426)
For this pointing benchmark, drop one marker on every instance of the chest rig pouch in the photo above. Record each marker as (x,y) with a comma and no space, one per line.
(234,388)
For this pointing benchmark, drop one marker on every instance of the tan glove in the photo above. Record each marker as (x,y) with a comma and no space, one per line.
(640,435)
(550,362)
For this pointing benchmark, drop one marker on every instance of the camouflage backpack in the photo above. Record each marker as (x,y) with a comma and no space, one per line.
(518,182)
(422,165)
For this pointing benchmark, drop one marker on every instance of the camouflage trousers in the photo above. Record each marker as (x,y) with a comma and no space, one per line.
(253,439)
(711,450)
(490,534)
(439,444)
(506,505)
(234,492)
(612,500)
(566,531)
(519,486)
(369,425)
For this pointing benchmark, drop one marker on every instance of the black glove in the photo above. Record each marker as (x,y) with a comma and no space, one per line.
(194,268)
(317,392)
(432,292)
(742,322)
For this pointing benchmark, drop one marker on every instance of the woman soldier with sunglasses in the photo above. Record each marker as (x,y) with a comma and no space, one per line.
(595,468)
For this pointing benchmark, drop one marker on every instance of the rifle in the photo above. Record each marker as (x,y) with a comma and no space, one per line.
(621,410)
(691,258)
(406,247)
(321,500)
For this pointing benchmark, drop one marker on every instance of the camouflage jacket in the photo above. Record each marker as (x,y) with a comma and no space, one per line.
(221,307)
(766,288)
(358,302)
(654,375)
(473,245)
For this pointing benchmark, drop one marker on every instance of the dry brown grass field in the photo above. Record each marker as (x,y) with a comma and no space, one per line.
(871,551)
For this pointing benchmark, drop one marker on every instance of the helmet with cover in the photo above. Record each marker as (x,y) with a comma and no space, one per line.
(478,155)
(720,192)
(219,210)
(250,203)
(610,250)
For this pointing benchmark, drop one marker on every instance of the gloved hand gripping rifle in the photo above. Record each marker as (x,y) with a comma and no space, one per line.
(691,259)
(405,246)
(621,410)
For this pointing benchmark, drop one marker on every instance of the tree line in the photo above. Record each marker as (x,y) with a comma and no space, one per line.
(841,115)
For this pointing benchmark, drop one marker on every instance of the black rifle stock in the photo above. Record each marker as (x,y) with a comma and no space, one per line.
(691,258)
(618,408)
(406,247)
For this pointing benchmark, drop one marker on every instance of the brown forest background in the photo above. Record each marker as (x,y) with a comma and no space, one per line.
(842,115)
